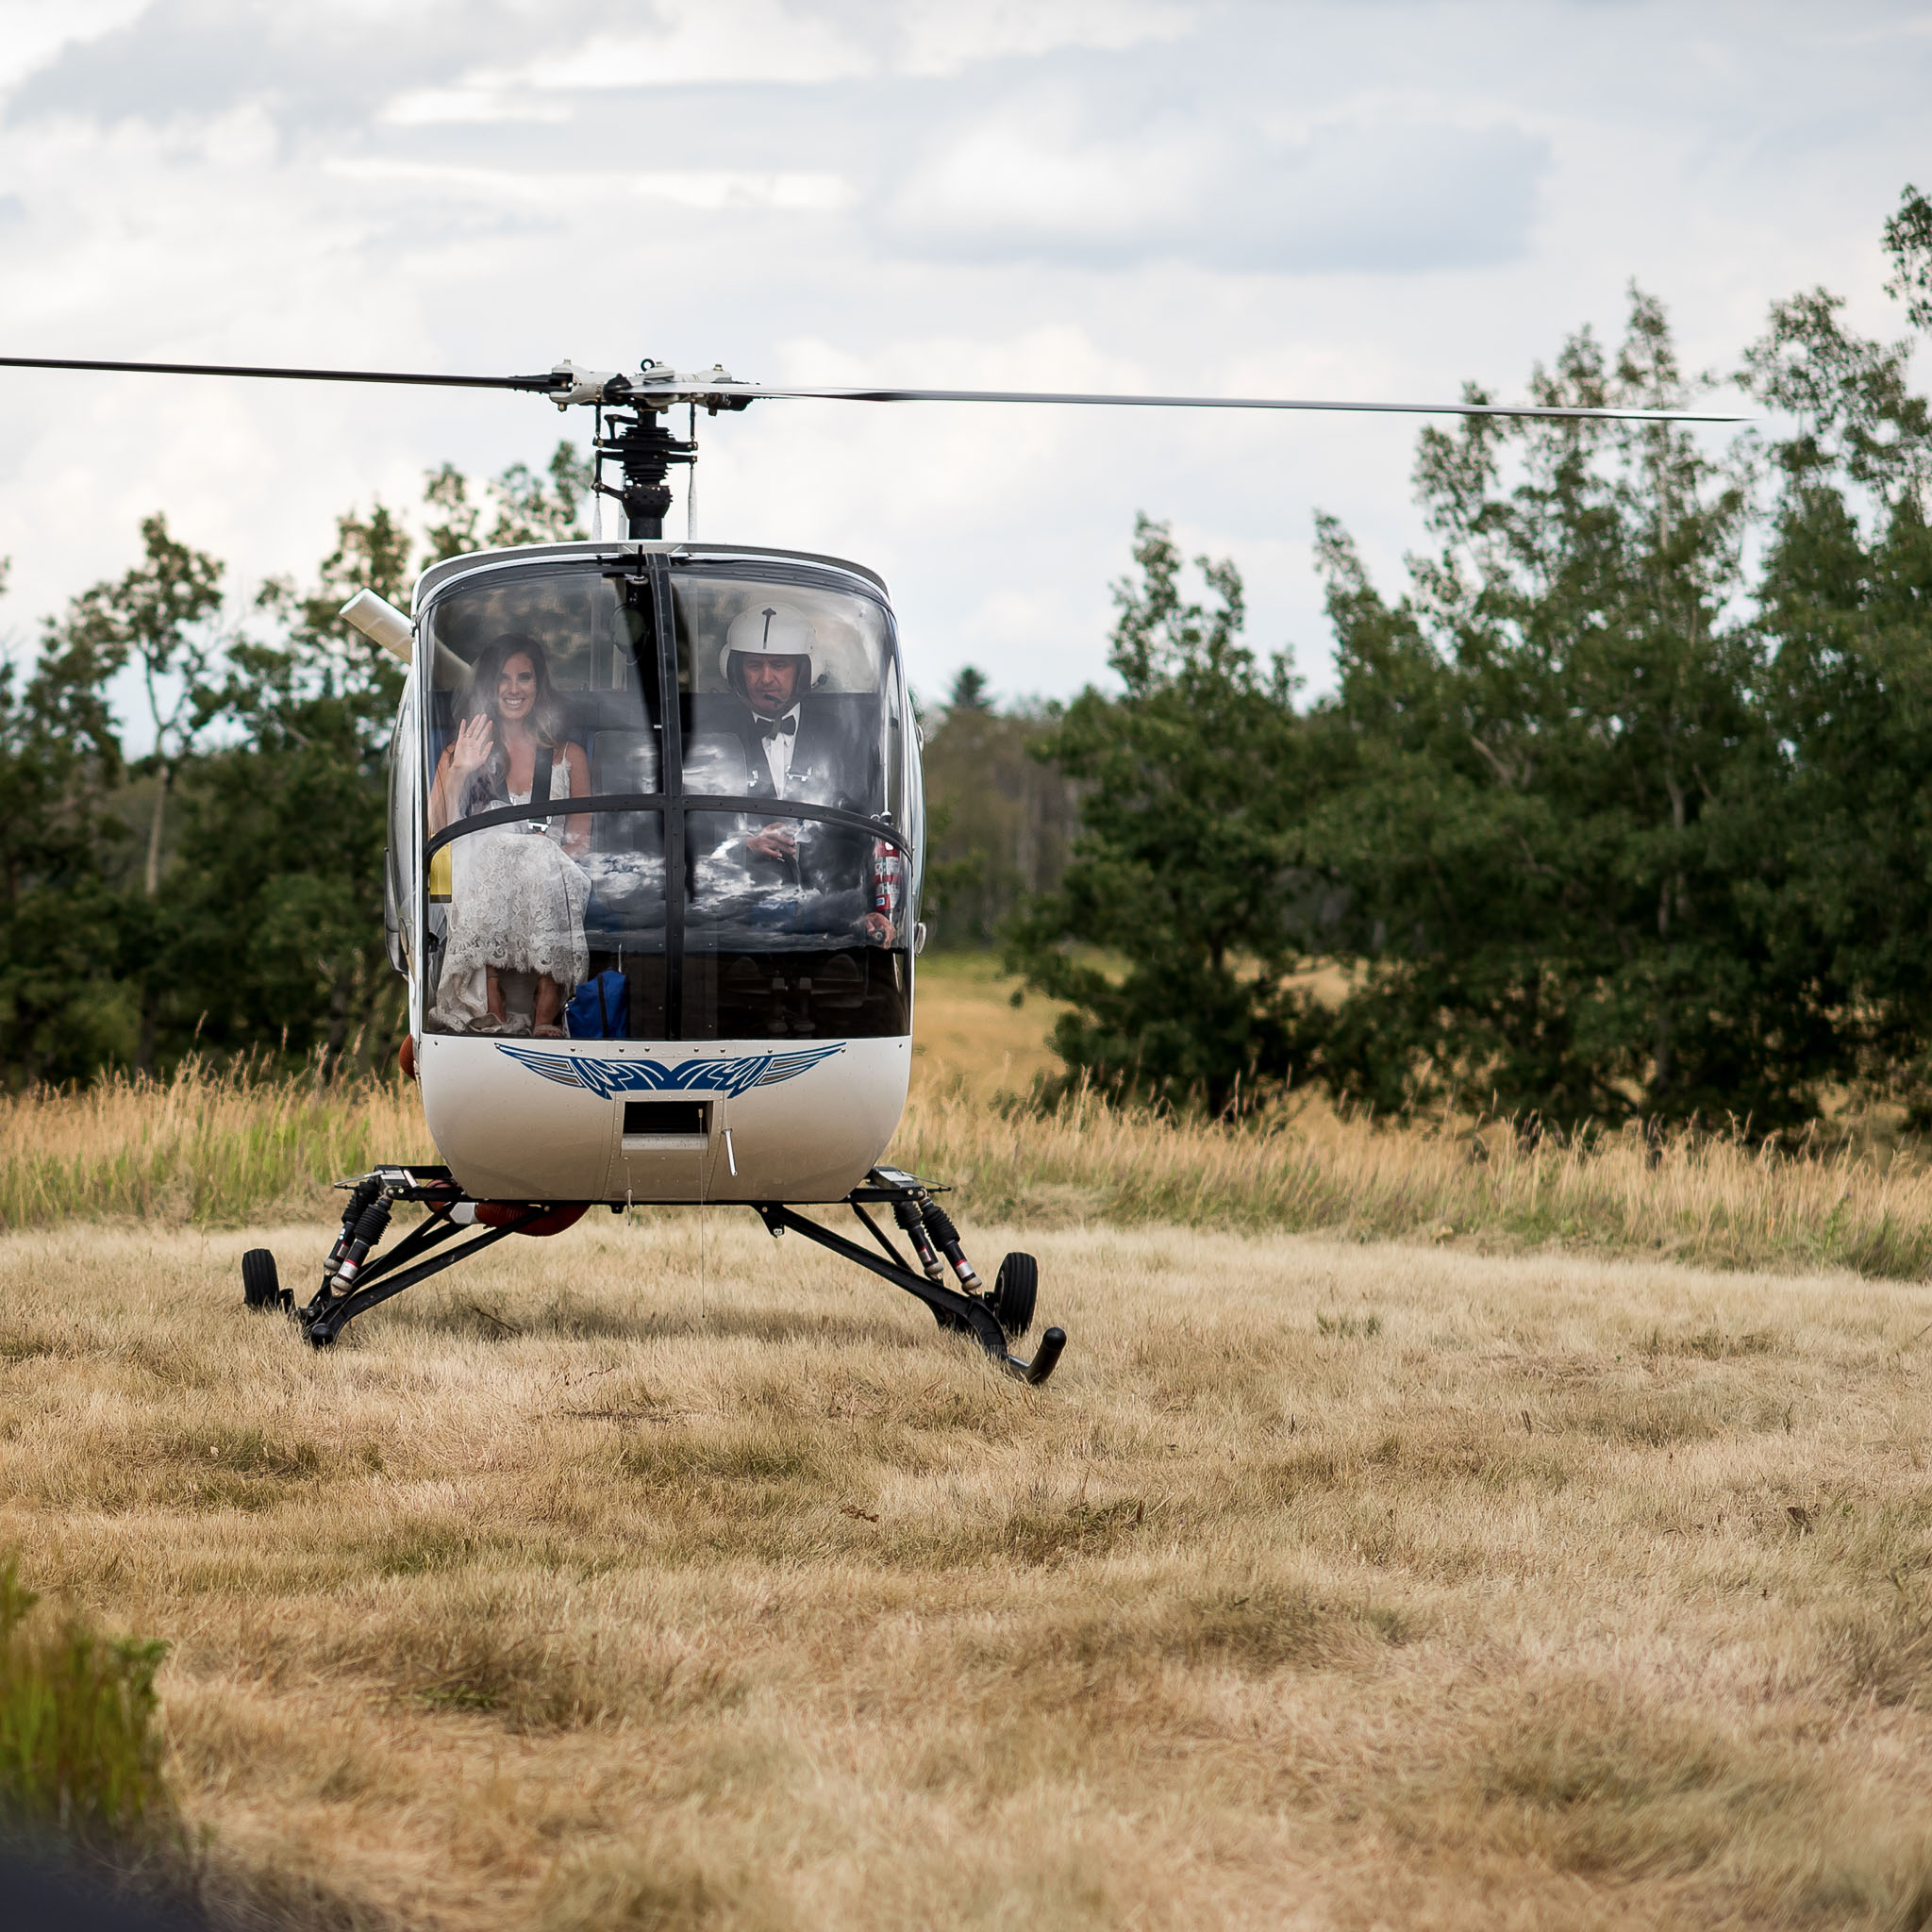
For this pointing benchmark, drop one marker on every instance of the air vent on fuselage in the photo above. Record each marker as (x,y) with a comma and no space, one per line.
(682,1119)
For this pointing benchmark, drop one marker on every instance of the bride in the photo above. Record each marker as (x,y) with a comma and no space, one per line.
(517,896)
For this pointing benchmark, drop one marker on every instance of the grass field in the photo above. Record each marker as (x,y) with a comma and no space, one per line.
(1515,1571)
(226,1149)
(665,1575)
(970,1035)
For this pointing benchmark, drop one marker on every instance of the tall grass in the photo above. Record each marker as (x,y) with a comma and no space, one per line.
(212,1148)
(225,1149)
(1711,1199)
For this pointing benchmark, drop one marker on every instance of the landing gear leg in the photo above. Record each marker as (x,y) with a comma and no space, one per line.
(351,1281)
(951,1288)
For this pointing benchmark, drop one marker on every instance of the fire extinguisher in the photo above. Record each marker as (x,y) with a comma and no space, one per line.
(888,881)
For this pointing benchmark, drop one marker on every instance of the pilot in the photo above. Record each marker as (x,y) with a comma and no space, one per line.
(793,748)
(767,660)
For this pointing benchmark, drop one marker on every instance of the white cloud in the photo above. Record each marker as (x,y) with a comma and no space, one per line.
(708,189)
(170,61)
(37,30)
(943,38)
(1383,193)
(742,42)
(1341,199)
(469,104)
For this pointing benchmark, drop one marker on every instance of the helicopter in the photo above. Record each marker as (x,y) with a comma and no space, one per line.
(671,960)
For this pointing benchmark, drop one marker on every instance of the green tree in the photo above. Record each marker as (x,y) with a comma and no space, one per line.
(531,508)
(1908,242)
(162,616)
(279,885)
(1845,612)
(161,619)
(1190,865)
(1000,821)
(1563,834)
(971,691)
(61,1013)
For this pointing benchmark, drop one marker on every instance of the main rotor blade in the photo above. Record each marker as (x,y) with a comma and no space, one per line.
(566,385)
(540,383)
(696,388)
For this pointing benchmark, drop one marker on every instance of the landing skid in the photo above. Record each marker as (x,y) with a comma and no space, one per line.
(354,1279)
(991,1319)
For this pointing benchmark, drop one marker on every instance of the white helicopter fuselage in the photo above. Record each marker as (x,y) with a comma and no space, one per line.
(528,1121)
(759,1046)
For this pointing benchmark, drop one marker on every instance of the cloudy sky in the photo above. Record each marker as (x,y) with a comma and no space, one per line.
(1376,199)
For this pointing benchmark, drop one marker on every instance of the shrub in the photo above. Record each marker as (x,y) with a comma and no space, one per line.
(80,1750)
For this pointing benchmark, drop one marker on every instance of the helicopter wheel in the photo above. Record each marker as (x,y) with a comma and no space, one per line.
(262,1286)
(1015,1288)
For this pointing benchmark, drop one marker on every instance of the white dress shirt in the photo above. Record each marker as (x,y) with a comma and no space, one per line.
(778,748)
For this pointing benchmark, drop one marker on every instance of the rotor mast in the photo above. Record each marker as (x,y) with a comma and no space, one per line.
(632,434)
(645,452)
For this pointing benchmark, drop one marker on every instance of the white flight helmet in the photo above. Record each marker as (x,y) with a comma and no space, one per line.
(771,630)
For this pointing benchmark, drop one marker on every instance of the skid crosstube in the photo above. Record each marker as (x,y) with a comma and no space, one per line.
(355,1278)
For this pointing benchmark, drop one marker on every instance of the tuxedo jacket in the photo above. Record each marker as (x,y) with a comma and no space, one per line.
(831,765)
(828,765)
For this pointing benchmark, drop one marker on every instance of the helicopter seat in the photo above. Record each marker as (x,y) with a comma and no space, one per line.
(621,760)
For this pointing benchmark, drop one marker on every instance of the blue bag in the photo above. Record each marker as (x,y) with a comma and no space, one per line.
(600,1008)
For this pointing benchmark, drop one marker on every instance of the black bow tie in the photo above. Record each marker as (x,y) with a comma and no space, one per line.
(770,729)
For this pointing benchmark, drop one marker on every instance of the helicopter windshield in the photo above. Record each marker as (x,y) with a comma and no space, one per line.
(795,901)
(742,862)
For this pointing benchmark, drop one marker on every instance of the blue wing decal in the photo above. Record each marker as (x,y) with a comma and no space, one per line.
(552,1066)
(787,1066)
(735,1075)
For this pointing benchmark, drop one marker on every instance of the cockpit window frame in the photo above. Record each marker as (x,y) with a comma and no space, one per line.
(438,578)
(652,567)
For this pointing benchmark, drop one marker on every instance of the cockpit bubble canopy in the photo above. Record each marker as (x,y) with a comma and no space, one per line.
(733,832)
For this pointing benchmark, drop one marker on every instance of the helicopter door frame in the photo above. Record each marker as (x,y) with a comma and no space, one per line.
(409,826)
(664,637)
(902,827)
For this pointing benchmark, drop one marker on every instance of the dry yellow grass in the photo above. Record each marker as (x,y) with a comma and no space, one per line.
(664,1575)
(1699,1198)
(204,1146)
(221,1150)
(969,1036)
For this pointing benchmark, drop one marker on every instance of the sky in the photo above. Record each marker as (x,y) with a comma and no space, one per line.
(1378,200)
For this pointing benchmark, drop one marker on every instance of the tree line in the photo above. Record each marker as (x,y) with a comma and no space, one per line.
(1619,810)
(1001,818)
(220,889)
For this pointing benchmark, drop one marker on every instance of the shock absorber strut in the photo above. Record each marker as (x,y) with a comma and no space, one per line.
(361,1195)
(939,1225)
(906,1213)
(370,1228)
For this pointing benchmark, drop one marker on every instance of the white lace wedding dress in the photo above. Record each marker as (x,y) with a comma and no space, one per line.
(516,904)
